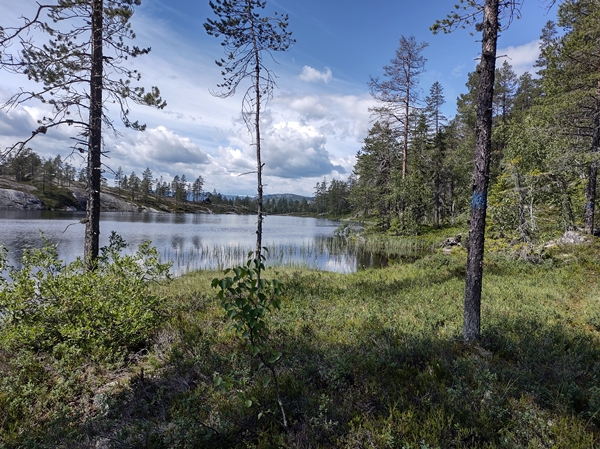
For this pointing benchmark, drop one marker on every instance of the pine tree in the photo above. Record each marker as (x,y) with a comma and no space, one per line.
(119,178)
(76,77)
(398,91)
(146,184)
(376,162)
(571,83)
(247,37)
(197,188)
(433,106)
(486,15)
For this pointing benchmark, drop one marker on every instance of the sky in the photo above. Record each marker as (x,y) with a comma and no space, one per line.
(319,114)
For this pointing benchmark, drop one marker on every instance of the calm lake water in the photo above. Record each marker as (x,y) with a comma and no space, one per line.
(191,241)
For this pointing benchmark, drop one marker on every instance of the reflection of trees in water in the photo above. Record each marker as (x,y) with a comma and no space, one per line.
(197,242)
(179,218)
(369,254)
(146,218)
(198,219)
(161,218)
(367,259)
(177,243)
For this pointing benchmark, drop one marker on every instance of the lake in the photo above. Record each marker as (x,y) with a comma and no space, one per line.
(191,241)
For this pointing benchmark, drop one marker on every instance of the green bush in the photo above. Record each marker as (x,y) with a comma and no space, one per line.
(107,313)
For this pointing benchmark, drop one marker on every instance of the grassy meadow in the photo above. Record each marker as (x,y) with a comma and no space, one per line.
(372,359)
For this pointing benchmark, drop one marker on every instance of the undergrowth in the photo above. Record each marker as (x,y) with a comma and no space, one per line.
(372,359)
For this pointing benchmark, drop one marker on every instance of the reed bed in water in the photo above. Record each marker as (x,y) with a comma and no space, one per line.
(328,253)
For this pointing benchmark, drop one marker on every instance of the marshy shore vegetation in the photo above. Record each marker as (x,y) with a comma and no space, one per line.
(368,359)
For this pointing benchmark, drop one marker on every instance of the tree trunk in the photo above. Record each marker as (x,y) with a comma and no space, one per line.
(590,196)
(487,67)
(406,128)
(259,196)
(92,226)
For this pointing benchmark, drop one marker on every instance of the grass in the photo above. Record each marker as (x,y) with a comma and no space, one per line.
(371,359)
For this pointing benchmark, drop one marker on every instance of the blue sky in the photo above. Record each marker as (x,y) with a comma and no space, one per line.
(319,115)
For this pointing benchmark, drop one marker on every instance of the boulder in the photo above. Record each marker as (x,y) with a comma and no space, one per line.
(568,238)
(572,238)
(452,241)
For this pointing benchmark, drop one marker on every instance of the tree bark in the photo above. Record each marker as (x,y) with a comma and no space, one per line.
(92,226)
(259,196)
(590,193)
(474,275)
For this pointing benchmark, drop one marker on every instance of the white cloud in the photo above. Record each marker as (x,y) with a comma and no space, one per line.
(161,146)
(308,132)
(311,75)
(521,57)
(336,116)
(295,150)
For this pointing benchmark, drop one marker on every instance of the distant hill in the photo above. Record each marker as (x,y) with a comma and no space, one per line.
(287,196)
(274,196)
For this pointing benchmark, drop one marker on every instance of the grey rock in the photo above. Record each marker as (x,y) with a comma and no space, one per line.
(108,203)
(572,238)
(568,238)
(16,200)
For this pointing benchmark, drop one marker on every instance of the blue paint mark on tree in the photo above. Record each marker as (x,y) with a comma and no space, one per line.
(478,201)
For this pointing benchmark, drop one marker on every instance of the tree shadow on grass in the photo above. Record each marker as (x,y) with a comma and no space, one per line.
(527,384)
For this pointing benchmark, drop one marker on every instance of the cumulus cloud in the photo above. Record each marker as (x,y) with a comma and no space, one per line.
(310,106)
(521,57)
(336,116)
(295,150)
(161,145)
(311,75)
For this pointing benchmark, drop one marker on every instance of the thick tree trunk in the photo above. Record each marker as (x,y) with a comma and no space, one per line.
(92,226)
(487,67)
(590,193)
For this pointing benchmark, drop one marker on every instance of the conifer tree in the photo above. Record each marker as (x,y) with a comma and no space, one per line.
(247,38)
(81,68)
(485,15)
(571,83)
(398,91)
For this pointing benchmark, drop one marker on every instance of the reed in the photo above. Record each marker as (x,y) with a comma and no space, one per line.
(336,254)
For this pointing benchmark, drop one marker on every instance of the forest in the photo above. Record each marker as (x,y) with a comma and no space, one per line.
(110,352)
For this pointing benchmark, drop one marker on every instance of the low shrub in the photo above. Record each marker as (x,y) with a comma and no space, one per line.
(47,306)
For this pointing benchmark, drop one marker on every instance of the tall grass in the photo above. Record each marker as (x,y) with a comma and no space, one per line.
(329,253)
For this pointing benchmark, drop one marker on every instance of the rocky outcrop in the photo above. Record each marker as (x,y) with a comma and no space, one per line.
(108,203)
(16,200)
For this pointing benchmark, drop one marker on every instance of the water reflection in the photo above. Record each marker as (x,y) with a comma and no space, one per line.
(194,241)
